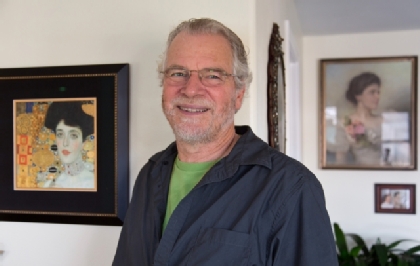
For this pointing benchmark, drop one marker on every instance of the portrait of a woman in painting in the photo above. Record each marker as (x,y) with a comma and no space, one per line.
(359,133)
(367,113)
(73,129)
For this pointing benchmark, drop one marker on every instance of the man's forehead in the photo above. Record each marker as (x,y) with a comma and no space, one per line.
(212,46)
(195,38)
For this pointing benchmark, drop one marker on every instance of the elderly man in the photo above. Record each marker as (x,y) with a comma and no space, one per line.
(219,195)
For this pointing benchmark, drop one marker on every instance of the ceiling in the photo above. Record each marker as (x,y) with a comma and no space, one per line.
(324,17)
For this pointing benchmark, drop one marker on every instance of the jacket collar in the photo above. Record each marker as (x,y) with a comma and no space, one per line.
(248,150)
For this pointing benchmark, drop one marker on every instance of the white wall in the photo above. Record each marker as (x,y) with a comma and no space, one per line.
(350,194)
(50,33)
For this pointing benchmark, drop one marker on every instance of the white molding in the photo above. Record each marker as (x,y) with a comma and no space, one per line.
(293,95)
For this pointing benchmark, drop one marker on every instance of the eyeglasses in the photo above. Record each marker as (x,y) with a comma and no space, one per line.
(209,77)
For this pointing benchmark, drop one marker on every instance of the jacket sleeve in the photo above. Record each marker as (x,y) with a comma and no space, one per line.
(137,239)
(302,228)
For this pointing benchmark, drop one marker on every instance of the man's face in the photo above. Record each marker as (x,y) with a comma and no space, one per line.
(196,113)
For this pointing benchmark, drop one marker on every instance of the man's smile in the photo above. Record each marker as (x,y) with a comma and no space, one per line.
(193,110)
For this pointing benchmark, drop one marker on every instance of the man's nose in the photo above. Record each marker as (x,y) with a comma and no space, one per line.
(194,85)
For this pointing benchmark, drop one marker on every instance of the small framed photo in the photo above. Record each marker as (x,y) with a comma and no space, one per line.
(368,113)
(395,198)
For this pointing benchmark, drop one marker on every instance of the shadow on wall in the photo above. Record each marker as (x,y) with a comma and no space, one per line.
(1,253)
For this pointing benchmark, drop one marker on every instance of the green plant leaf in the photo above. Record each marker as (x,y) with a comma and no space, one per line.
(340,241)
(412,250)
(355,251)
(359,241)
(394,259)
(396,243)
(362,261)
(403,263)
(381,253)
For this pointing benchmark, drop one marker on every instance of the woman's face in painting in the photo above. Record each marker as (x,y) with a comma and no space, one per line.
(69,142)
(387,199)
(369,98)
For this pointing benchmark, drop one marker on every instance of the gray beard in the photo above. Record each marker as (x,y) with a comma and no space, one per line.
(183,132)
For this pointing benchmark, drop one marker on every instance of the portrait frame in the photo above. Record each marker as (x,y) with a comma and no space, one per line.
(386,195)
(276,92)
(108,85)
(368,113)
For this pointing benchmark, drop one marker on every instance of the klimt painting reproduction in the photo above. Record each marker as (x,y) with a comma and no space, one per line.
(55,144)
(368,113)
(64,144)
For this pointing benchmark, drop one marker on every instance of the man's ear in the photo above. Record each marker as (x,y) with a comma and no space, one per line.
(239,98)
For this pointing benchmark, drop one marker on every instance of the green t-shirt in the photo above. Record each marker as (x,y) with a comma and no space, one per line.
(184,178)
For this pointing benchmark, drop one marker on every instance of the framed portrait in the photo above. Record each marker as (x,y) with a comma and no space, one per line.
(55,144)
(395,198)
(368,113)
(64,148)
(276,88)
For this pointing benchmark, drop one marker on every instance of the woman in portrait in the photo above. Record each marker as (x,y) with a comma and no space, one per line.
(359,133)
(71,126)
(386,202)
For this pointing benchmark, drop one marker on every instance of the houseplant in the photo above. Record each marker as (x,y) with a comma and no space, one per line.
(378,254)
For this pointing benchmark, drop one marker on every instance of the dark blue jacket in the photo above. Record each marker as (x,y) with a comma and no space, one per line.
(254,207)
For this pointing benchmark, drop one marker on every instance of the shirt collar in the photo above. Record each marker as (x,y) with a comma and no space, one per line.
(248,150)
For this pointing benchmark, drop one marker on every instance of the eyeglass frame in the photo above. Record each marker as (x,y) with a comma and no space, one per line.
(199,73)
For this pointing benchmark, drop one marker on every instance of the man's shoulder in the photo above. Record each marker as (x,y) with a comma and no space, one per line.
(283,161)
(163,154)
(288,175)
(253,150)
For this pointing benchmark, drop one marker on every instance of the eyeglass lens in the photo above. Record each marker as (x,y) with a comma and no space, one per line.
(208,77)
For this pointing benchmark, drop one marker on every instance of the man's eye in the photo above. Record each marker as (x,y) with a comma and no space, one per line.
(213,75)
(177,74)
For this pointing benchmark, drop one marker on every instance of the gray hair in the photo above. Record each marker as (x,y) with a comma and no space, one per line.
(210,26)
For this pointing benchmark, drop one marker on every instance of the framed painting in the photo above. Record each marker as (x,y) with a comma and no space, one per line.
(276,96)
(64,148)
(368,113)
(395,198)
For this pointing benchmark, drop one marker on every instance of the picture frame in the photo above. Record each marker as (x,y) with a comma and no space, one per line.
(395,198)
(368,113)
(276,92)
(86,182)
